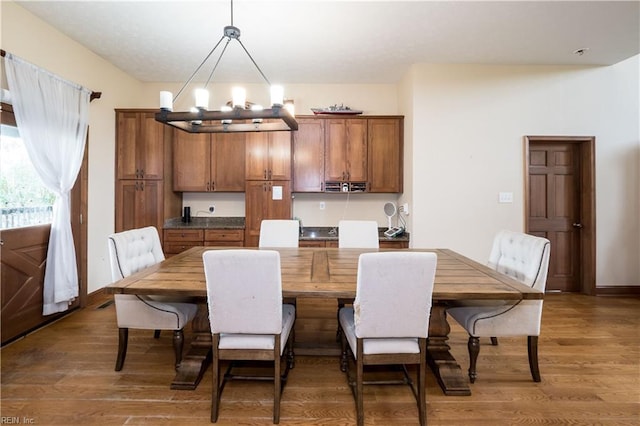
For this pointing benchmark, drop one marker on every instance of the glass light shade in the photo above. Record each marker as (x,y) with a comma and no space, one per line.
(226,108)
(239,97)
(277,95)
(202,98)
(289,106)
(166,100)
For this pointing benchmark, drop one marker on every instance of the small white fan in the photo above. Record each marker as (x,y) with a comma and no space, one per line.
(390,210)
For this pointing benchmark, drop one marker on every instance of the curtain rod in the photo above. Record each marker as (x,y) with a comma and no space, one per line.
(94,95)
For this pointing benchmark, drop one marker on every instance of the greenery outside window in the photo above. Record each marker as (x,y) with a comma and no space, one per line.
(24,200)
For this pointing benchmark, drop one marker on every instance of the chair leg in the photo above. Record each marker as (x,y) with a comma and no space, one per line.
(474,350)
(343,343)
(277,381)
(123,338)
(494,341)
(215,383)
(178,345)
(532,346)
(422,380)
(339,330)
(359,384)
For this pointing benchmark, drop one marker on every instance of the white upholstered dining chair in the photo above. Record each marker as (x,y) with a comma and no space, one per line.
(388,323)
(129,252)
(525,258)
(247,317)
(279,233)
(358,234)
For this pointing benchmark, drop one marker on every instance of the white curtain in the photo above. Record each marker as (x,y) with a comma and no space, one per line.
(52,115)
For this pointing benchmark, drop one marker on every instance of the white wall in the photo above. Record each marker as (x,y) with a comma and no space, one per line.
(463,144)
(468,124)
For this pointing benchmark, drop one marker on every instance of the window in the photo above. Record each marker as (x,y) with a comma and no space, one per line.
(24,200)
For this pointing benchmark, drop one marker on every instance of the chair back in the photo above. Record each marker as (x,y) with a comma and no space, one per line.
(521,256)
(358,234)
(244,291)
(134,250)
(394,294)
(279,233)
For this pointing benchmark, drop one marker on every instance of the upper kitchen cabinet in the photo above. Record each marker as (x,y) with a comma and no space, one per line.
(205,162)
(385,160)
(308,156)
(268,155)
(140,145)
(345,150)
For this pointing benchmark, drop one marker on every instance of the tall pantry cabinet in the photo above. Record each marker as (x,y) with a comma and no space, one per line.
(268,181)
(143,171)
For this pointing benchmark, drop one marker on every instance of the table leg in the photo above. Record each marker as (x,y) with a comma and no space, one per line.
(198,358)
(446,369)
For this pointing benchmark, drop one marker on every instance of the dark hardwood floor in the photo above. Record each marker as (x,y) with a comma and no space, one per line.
(589,349)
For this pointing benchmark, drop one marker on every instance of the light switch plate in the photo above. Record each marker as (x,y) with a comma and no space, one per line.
(505,197)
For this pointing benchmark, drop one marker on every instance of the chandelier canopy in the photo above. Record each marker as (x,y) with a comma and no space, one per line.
(238,115)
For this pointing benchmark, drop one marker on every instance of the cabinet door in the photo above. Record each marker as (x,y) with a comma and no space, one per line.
(357,150)
(140,145)
(228,162)
(268,155)
(257,156)
(139,203)
(151,147)
(260,204)
(255,210)
(308,156)
(335,150)
(191,161)
(346,150)
(126,135)
(385,155)
(279,156)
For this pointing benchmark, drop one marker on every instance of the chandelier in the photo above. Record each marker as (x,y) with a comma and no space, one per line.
(238,115)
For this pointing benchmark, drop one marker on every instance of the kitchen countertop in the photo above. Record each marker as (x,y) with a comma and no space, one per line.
(309,233)
(329,233)
(205,223)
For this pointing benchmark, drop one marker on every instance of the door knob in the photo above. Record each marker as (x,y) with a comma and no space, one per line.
(577,225)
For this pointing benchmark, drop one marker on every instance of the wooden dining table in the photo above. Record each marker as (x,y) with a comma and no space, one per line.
(328,273)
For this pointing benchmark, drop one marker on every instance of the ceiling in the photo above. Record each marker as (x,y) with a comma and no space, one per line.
(339,41)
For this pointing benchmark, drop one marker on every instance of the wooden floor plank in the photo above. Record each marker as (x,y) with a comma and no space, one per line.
(589,349)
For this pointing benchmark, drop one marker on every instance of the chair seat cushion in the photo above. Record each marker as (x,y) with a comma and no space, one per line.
(261,341)
(396,345)
(147,313)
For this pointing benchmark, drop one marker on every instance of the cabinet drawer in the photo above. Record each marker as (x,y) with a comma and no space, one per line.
(224,243)
(307,243)
(211,235)
(179,247)
(196,235)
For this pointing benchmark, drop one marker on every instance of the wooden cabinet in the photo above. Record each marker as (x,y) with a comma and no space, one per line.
(385,141)
(205,162)
(268,156)
(346,150)
(308,156)
(179,240)
(224,237)
(260,204)
(140,147)
(143,156)
(365,151)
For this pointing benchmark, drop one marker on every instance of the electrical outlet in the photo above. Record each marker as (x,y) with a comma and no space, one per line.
(322,205)
(405,209)
(212,209)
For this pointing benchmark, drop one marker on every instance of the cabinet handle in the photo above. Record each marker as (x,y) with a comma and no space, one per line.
(141,186)
(207,186)
(269,173)
(213,186)
(264,173)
